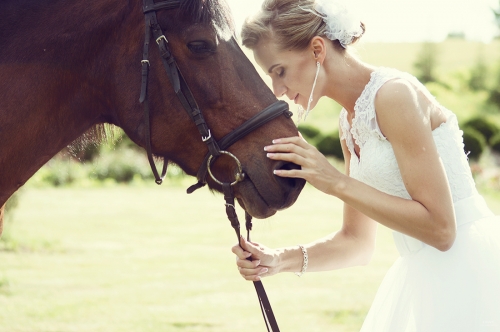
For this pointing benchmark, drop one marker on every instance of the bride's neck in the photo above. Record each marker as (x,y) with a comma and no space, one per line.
(346,78)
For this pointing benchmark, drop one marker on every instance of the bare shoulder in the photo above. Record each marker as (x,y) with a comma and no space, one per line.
(397,93)
(398,108)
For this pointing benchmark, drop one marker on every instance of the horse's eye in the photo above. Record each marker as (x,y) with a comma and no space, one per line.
(200,47)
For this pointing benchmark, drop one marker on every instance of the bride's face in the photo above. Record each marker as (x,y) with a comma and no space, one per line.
(292,72)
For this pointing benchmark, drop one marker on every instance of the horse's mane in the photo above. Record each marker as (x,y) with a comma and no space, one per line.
(98,134)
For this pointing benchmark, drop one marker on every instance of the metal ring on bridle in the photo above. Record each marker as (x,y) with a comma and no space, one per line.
(239,176)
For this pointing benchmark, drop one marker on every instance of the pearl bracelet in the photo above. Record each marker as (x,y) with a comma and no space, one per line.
(304,264)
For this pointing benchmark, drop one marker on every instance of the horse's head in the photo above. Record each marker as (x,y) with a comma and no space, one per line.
(228,91)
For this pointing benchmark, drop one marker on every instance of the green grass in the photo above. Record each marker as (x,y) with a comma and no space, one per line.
(156,259)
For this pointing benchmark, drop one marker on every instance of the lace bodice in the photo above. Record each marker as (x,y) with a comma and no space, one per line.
(377,165)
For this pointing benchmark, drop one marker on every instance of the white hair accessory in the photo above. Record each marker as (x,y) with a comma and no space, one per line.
(341,24)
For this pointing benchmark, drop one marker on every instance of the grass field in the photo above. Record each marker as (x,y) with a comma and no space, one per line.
(156,259)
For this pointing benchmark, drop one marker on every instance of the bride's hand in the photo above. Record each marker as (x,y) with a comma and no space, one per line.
(263,263)
(315,168)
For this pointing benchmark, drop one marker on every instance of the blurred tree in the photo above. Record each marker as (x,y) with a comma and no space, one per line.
(478,74)
(426,63)
(456,35)
(494,93)
(496,12)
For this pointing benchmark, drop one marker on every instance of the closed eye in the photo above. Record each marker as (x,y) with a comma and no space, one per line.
(201,47)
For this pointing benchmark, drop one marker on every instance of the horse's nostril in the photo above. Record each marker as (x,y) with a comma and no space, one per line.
(289,182)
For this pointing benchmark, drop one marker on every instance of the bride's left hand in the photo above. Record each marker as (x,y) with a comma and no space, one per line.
(315,168)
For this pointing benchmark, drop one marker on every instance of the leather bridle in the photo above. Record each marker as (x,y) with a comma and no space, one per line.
(215,148)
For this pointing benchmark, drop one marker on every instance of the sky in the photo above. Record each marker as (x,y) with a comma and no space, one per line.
(410,20)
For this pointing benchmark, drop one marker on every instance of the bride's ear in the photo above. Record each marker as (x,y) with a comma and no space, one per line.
(318,48)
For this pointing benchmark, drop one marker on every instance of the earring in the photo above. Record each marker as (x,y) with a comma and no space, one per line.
(301,111)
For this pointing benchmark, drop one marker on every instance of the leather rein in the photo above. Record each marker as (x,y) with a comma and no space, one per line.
(215,148)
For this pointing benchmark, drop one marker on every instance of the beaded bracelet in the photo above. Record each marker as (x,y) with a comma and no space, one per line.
(304,264)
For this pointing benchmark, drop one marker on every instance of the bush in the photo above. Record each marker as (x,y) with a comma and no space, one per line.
(309,132)
(478,75)
(329,145)
(474,143)
(495,143)
(122,166)
(426,63)
(484,126)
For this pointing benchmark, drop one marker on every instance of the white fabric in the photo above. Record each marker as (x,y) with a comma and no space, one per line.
(427,290)
(342,23)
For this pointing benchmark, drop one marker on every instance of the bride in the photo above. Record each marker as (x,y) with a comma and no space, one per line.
(405,168)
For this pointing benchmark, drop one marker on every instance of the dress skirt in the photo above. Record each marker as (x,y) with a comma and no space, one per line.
(458,290)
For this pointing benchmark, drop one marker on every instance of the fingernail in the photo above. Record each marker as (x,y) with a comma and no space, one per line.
(276,141)
(257,262)
(270,155)
(265,148)
(264,270)
(248,254)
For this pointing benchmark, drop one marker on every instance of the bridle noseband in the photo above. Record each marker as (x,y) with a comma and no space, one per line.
(215,148)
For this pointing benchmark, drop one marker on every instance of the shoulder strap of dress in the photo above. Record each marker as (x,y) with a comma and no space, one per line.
(365,120)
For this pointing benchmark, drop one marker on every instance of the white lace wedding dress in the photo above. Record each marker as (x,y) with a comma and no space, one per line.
(427,290)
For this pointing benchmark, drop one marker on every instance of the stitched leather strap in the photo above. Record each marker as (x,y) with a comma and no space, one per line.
(271,112)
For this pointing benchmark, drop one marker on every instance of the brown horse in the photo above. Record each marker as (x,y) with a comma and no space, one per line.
(69,66)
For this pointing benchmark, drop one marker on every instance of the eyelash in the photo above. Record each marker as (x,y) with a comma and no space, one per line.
(281,73)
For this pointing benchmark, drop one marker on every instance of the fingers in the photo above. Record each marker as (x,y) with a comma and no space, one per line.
(253,274)
(296,146)
(240,253)
(297,140)
(249,269)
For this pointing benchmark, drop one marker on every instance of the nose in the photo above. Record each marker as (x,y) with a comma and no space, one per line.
(278,89)
(289,183)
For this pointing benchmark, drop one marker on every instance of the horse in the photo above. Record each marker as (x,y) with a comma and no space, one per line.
(69,67)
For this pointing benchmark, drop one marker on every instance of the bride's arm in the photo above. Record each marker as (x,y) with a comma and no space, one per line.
(352,245)
(429,216)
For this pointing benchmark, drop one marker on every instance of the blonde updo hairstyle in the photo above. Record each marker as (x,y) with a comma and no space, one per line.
(291,23)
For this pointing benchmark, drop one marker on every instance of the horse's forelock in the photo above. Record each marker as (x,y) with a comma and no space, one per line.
(207,11)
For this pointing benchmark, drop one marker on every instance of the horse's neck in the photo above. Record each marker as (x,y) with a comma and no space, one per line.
(56,80)
(32,134)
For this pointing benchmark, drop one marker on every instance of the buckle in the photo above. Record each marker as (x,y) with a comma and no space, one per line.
(204,139)
(160,38)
